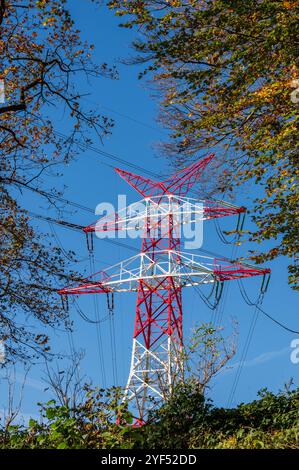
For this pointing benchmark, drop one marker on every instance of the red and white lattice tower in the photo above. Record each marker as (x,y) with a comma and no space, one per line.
(158,274)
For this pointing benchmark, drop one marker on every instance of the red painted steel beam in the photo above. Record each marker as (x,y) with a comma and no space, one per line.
(180,183)
(96,288)
(237,272)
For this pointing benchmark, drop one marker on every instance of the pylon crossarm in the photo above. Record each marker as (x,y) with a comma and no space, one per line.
(186,269)
(154,212)
(94,284)
(228,272)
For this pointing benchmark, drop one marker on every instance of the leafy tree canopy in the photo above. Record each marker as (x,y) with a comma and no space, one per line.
(187,420)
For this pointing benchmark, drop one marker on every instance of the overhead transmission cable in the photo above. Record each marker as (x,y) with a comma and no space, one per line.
(250,303)
(110,156)
(257,309)
(246,345)
(243,358)
(219,313)
(86,318)
(126,116)
(110,305)
(79,228)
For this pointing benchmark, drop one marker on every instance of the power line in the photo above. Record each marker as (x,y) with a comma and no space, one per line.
(246,346)
(277,322)
(113,347)
(250,303)
(126,116)
(53,196)
(77,227)
(86,318)
(205,298)
(220,312)
(110,305)
(243,358)
(121,160)
(111,156)
(98,328)
(64,252)
(257,309)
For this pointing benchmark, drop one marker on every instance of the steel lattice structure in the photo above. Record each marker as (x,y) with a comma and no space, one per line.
(158,274)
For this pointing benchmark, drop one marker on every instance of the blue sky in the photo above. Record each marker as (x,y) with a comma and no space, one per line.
(89,182)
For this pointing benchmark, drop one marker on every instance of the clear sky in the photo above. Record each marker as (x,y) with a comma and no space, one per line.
(89,182)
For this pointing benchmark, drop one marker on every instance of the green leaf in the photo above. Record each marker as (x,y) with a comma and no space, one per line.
(62,445)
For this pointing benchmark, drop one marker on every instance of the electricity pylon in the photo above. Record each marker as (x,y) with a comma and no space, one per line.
(158,274)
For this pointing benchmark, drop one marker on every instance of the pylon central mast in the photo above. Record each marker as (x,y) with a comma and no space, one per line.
(157,361)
